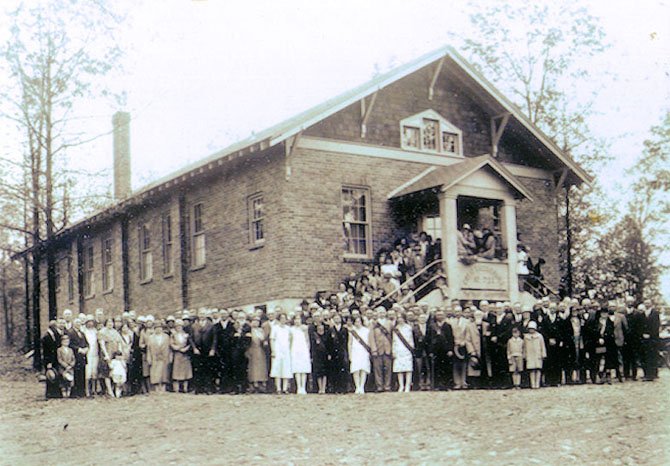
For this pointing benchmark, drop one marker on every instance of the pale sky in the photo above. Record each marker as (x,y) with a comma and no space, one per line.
(201,74)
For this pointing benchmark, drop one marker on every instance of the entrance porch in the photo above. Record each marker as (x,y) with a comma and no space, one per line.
(471,207)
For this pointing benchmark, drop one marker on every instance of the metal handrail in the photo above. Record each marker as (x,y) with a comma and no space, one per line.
(384,298)
(539,294)
(423,285)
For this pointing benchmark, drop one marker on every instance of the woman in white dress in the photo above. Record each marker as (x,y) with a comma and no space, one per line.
(301,365)
(91,371)
(403,359)
(359,354)
(280,345)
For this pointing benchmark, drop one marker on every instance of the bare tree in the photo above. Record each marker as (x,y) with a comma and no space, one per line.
(56,54)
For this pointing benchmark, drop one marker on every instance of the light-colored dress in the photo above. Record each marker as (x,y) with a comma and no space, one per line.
(280,341)
(158,354)
(358,354)
(301,362)
(403,361)
(91,336)
(181,364)
(258,365)
(118,371)
(534,350)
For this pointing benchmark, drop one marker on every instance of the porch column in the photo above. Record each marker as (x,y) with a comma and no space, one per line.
(448,215)
(509,215)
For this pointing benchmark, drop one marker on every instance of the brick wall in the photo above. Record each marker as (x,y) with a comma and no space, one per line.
(537,225)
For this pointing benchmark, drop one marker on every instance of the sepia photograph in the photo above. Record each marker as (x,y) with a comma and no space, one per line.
(334,232)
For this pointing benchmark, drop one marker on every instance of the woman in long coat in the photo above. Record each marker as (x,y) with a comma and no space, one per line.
(158,357)
(258,365)
(182,371)
(320,355)
(403,349)
(473,346)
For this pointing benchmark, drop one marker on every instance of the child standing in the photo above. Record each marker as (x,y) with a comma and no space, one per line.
(118,372)
(66,361)
(515,356)
(535,351)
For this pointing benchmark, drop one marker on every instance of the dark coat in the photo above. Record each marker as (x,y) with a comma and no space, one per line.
(203,337)
(440,338)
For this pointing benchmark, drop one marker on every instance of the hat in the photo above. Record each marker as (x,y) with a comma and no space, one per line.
(466,226)
(90,318)
(141,319)
(387,275)
(169,318)
(69,376)
(149,318)
(532,325)
(50,375)
(525,308)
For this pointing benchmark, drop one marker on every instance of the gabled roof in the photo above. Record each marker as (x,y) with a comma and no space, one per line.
(292,126)
(446,177)
(300,122)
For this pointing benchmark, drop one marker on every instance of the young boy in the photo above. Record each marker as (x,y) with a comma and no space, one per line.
(66,361)
(535,352)
(515,356)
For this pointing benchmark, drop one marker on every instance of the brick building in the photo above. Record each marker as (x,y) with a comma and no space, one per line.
(428,146)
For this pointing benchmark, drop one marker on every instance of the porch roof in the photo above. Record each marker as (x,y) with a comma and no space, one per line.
(446,177)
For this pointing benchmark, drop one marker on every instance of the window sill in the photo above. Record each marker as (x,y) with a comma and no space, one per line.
(358,259)
(432,152)
(198,267)
(257,245)
(147,281)
(110,291)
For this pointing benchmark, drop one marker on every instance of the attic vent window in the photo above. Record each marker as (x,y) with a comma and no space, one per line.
(428,131)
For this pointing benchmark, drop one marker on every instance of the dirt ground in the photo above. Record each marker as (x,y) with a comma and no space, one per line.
(619,424)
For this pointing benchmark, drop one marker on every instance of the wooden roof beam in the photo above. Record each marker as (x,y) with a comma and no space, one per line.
(365,113)
(498,124)
(436,74)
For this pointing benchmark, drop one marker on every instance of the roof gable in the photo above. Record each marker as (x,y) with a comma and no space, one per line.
(451,175)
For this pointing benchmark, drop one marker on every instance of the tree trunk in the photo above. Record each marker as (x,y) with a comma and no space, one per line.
(5,304)
(37,333)
(568,241)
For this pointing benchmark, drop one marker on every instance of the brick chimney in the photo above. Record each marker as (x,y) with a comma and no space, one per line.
(121,124)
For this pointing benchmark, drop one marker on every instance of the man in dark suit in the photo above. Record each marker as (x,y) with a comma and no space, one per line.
(50,344)
(502,323)
(551,329)
(203,353)
(79,346)
(441,347)
(651,325)
(338,375)
(421,360)
(631,347)
(223,349)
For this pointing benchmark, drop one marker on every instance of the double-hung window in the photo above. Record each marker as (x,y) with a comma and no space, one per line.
(356,221)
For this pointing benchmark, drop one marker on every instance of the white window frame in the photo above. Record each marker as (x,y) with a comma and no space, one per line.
(254,221)
(444,126)
(146,258)
(168,243)
(367,223)
(107,264)
(89,271)
(198,236)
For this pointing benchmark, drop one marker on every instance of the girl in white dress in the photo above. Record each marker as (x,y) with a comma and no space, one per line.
(301,365)
(91,371)
(359,354)
(402,347)
(280,344)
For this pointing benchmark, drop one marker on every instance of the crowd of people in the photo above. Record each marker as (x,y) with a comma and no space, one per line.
(327,346)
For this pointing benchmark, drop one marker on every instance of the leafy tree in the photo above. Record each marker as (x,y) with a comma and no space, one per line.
(537,55)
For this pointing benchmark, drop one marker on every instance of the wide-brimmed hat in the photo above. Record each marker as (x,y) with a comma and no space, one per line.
(50,375)
(532,325)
